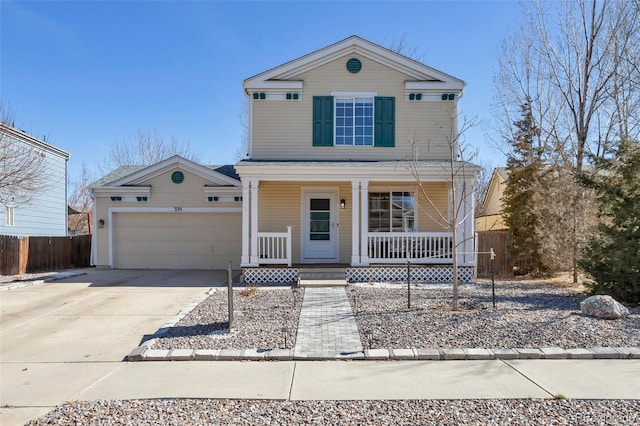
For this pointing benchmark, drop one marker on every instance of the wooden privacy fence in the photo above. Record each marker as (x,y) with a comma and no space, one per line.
(500,241)
(20,255)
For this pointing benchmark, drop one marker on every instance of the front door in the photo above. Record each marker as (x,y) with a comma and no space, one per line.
(320,233)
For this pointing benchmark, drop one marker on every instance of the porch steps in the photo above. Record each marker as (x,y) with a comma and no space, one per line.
(323,283)
(322,277)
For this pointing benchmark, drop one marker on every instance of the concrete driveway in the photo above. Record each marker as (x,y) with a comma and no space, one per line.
(58,338)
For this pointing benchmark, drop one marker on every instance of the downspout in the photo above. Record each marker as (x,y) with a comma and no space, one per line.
(93,259)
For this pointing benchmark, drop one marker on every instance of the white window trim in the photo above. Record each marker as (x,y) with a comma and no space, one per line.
(353,95)
(416,209)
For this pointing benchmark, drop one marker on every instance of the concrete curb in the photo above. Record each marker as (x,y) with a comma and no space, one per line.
(145,353)
(56,276)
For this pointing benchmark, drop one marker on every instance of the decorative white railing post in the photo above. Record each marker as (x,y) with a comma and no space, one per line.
(274,247)
(289,246)
(423,247)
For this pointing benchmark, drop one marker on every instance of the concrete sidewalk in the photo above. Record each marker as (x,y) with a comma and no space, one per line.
(66,341)
(30,390)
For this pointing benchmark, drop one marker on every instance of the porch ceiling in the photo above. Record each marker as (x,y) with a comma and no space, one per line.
(388,171)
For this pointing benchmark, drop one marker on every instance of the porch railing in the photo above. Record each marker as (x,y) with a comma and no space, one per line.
(423,247)
(274,247)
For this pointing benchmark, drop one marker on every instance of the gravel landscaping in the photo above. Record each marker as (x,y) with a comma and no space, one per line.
(527,315)
(407,412)
(260,314)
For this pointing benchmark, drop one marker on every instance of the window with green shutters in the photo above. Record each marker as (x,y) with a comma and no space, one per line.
(351,121)
(323,121)
(385,117)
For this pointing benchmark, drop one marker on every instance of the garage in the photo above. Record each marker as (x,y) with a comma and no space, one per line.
(184,240)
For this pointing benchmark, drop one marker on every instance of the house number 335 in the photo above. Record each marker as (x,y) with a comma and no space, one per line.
(177,209)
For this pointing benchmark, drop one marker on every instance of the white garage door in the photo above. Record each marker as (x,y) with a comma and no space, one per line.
(176,240)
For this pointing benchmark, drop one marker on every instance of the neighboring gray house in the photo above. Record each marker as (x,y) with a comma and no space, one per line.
(36,212)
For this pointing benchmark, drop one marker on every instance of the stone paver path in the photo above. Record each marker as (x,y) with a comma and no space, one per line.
(327,327)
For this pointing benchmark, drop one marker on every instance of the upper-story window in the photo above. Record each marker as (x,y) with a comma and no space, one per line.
(354,121)
(358,119)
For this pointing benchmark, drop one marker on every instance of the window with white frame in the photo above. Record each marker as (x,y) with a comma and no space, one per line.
(391,212)
(8,215)
(354,120)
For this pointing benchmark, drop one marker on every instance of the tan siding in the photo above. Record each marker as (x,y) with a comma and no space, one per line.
(280,206)
(164,193)
(282,130)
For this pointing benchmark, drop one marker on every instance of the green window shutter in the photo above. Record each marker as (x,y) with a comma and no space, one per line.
(385,121)
(323,121)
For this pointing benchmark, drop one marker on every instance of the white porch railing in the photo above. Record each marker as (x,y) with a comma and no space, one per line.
(424,247)
(274,247)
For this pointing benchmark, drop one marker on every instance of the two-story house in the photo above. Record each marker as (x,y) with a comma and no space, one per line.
(33,185)
(330,180)
(332,176)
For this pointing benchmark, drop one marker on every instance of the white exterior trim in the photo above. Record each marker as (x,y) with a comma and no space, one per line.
(356,46)
(396,171)
(335,218)
(170,164)
(113,210)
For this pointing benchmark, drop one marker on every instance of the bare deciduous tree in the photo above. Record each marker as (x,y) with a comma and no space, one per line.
(461,176)
(573,61)
(147,147)
(23,174)
(80,200)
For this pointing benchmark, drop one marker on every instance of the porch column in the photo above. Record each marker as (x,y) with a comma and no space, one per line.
(364,223)
(253,252)
(355,223)
(244,260)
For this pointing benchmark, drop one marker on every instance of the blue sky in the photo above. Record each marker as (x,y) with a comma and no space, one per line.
(90,73)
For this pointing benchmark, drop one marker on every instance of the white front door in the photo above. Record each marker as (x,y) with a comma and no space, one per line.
(320,227)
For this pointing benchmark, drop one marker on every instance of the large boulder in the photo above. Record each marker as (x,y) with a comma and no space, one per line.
(603,307)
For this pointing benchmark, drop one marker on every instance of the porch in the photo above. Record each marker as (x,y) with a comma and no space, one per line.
(367,215)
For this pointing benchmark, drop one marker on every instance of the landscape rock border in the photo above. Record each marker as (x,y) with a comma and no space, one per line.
(144,352)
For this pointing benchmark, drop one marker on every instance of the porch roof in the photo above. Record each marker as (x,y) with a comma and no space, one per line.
(387,171)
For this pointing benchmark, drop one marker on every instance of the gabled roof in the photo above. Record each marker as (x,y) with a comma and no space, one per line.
(131,175)
(499,175)
(284,76)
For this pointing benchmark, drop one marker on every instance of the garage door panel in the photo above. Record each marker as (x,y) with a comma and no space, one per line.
(163,247)
(177,240)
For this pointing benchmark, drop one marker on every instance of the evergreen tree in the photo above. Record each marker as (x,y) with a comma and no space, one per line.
(612,256)
(522,194)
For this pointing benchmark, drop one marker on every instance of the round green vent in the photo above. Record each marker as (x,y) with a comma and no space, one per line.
(177,177)
(354,65)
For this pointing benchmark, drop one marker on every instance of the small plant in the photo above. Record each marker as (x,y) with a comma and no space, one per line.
(559,397)
(249,291)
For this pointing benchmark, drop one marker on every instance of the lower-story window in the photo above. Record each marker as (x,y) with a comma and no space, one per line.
(8,215)
(391,212)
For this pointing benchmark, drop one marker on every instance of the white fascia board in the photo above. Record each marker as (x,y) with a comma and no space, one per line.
(108,191)
(266,86)
(173,210)
(172,163)
(356,46)
(439,86)
(21,136)
(222,190)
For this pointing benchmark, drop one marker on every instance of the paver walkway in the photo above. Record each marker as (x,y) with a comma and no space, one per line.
(327,327)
